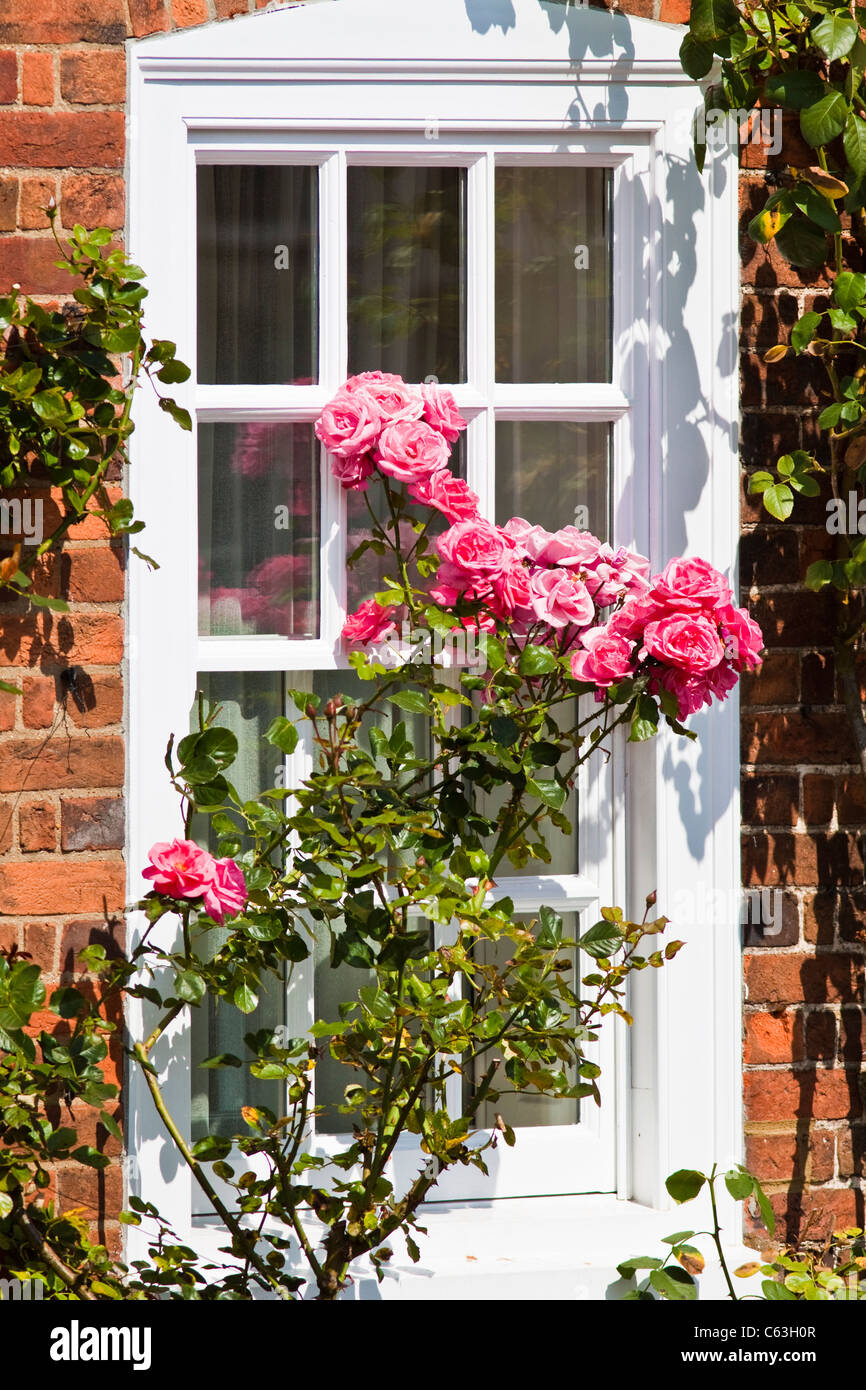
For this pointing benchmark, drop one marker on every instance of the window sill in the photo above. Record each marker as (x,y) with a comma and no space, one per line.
(528,1248)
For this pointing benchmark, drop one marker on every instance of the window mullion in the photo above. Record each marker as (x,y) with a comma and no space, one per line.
(333,366)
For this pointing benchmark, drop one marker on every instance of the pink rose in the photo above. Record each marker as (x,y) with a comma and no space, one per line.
(744,640)
(440,411)
(530,540)
(180,869)
(394,399)
(691,585)
(510,590)
(410,450)
(690,641)
(369,623)
(692,692)
(447,494)
(630,620)
(616,572)
(606,657)
(227,894)
(559,598)
(570,546)
(352,472)
(350,423)
(474,550)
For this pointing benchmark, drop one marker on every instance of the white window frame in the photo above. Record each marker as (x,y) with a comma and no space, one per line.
(258,89)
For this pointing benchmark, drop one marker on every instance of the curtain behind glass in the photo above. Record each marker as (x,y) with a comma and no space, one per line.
(407,272)
(257,274)
(249,703)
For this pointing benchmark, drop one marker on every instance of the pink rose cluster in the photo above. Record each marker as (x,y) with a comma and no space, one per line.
(182,869)
(528,576)
(686,626)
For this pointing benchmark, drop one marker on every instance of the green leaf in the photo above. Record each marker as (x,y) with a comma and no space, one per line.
(244,997)
(768,1216)
(536,661)
(740,1185)
(804,331)
(283,734)
(178,414)
(779,501)
(90,1157)
(601,941)
(819,573)
(674,1283)
(110,1124)
(696,56)
(777,1293)
(685,1184)
(830,416)
(760,481)
(795,89)
(189,987)
(413,701)
(849,289)
(826,119)
(678,1237)
(713,19)
(842,322)
(835,35)
(627,1268)
(504,730)
(211,1148)
(221,1059)
(551,793)
(855,143)
(6,1205)
(801,242)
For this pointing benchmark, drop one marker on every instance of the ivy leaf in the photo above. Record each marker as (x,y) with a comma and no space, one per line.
(826,119)
(835,35)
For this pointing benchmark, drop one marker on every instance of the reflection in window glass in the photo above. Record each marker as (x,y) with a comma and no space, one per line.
(249,703)
(407,272)
(258,517)
(257,274)
(553,278)
(554,473)
(526,1110)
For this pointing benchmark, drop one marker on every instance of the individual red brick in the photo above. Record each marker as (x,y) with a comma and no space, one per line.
(675,11)
(769,555)
(771,918)
(823,1095)
(8,76)
(92,886)
(817,1212)
(38,702)
(62,762)
(822,1155)
(37,79)
(764,436)
(818,678)
(36,826)
(8,203)
(795,736)
(852,1151)
(85,1119)
(94,76)
(819,799)
(851,1030)
(767,318)
(777,682)
(776,1157)
(188,12)
(5,826)
(148,16)
(771,860)
(769,800)
(825,978)
(62,139)
(796,619)
(8,936)
(95,1193)
(95,822)
(90,932)
(94,200)
(58,21)
(852,917)
(773,1038)
(29,260)
(36,194)
(7,711)
(88,639)
(851,800)
(40,940)
(818,917)
(95,575)
(227,9)
(102,696)
(820,1030)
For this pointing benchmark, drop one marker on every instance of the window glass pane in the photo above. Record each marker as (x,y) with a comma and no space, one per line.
(524,1110)
(407,272)
(336,986)
(249,704)
(258,519)
(554,473)
(257,274)
(365,578)
(553,276)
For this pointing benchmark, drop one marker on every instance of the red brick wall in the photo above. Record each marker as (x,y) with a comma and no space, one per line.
(62,88)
